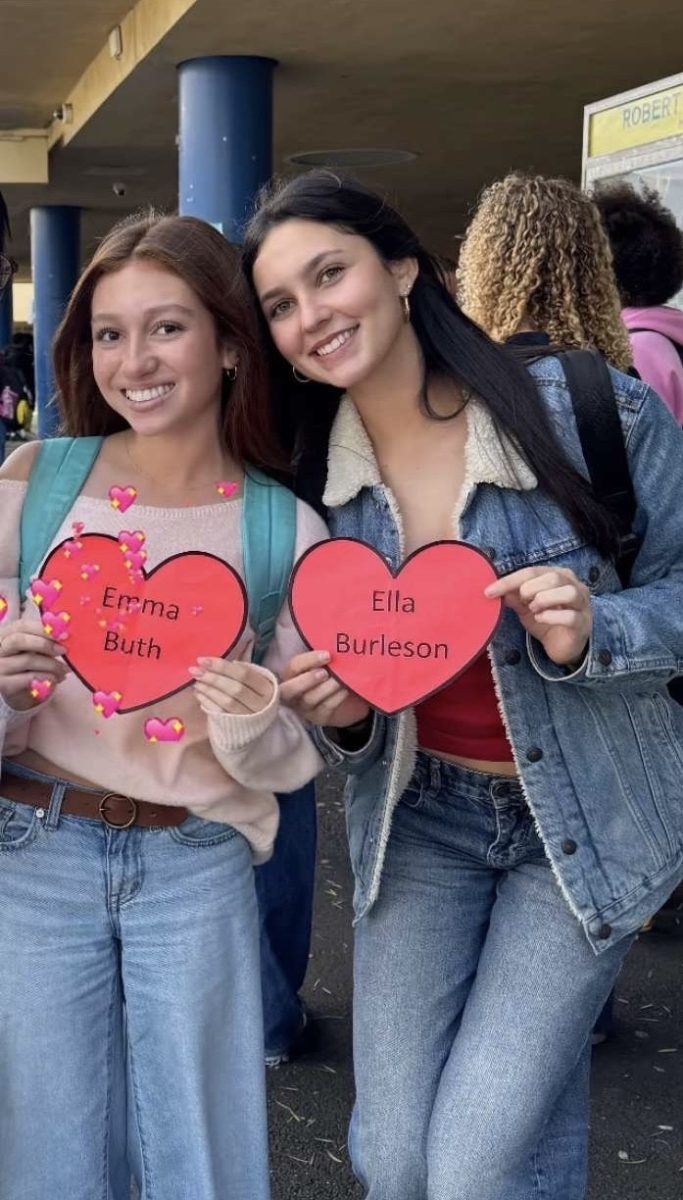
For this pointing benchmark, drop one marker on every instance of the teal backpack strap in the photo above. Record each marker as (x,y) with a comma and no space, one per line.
(268,547)
(61,469)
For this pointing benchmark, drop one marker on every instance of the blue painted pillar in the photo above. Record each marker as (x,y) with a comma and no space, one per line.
(6,316)
(55,260)
(226,138)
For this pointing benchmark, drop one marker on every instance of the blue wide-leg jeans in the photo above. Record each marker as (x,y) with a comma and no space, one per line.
(475,995)
(161,924)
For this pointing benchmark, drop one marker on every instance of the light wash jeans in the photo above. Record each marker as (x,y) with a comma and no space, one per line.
(167,920)
(475,995)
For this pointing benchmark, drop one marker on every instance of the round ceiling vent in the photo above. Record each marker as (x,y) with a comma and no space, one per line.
(369,157)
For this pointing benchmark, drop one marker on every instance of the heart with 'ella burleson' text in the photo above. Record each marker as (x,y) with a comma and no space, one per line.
(133,634)
(395,637)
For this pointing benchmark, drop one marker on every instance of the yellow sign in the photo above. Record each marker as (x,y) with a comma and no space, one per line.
(23,156)
(637,122)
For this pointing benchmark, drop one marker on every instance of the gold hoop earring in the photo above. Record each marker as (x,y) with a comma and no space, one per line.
(405,302)
(231,372)
(299,377)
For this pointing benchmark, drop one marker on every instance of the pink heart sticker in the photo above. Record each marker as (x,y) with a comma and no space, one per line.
(4,608)
(157,730)
(45,592)
(56,625)
(77,528)
(227,490)
(107,703)
(135,559)
(131,541)
(121,498)
(89,570)
(41,688)
(73,546)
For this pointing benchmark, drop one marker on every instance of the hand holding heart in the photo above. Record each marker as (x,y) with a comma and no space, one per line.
(239,688)
(316,697)
(27,653)
(553,606)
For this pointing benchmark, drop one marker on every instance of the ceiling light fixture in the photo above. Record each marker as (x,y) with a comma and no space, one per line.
(115,42)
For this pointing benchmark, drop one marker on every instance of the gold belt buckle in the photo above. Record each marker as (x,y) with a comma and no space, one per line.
(133,809)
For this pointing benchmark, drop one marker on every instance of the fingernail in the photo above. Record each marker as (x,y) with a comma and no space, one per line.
(196,671)
(320,675)
(203,662)
(323,655)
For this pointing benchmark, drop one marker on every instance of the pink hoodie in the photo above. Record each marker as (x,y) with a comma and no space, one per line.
(655,358)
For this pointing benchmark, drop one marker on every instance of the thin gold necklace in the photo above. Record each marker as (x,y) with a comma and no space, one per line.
(190,487)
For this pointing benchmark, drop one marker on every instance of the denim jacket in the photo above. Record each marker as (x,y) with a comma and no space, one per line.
(599,751)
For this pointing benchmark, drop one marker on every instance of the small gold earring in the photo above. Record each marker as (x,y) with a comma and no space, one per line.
(406,306)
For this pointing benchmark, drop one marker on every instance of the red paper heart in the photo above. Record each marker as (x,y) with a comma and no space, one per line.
(162,636)
(395,638)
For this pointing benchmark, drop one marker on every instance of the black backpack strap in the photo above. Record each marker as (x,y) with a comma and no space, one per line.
(602,442)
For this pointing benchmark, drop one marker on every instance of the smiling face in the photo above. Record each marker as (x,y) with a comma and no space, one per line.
(332,305)
(155,353)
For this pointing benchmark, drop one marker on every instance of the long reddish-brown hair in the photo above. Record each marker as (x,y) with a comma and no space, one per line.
(198,254)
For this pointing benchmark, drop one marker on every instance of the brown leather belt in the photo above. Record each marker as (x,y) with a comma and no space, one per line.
(115,810)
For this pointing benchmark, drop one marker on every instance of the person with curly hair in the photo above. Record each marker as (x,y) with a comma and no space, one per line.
(536,260)
(647,247)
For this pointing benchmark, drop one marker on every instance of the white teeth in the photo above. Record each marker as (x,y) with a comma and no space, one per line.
(140,395)
(336,342)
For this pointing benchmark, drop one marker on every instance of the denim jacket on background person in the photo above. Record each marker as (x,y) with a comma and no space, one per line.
(600,750)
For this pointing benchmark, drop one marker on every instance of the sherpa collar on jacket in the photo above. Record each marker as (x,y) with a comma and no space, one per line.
(490,457)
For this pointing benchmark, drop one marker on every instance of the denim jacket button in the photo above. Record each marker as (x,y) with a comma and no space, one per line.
(604,658)
(604,932)
(534,754)
(512,657)
(569,846)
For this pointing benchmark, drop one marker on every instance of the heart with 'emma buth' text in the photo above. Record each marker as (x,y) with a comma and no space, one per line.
(395,637)
(135,634)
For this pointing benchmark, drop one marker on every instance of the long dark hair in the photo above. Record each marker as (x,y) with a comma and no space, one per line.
(195,252)
(452,346)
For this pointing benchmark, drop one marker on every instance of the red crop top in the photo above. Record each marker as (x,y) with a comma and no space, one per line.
(464,719)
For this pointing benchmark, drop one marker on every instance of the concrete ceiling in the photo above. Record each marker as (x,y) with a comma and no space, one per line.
(473,91)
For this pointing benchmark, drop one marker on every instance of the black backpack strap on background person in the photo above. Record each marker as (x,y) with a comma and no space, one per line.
(602,442)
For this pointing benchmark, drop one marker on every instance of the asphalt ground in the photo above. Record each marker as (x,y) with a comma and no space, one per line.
(637,1117)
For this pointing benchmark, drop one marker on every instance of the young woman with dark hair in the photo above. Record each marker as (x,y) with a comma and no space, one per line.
(647,247)
(510,834)
(126,866)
